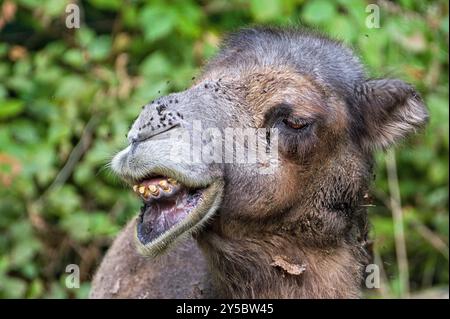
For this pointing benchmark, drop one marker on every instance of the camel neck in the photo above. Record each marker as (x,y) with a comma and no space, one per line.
(279,267)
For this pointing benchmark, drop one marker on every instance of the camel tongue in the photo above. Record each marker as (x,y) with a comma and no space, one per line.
(158,216)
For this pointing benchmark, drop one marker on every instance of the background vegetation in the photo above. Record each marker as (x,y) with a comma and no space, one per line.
(67,97)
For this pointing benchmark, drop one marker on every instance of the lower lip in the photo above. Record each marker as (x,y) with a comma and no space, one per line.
(158,216)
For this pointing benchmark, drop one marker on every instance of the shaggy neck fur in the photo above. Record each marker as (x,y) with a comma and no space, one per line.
(316,250)
(280,266)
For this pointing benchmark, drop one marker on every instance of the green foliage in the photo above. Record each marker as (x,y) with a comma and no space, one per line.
(67,97)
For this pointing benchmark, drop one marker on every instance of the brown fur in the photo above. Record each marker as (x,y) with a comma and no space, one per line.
(182,273)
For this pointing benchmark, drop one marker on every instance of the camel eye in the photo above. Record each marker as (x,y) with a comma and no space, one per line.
(295,124)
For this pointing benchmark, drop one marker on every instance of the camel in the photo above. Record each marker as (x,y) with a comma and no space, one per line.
(230,229)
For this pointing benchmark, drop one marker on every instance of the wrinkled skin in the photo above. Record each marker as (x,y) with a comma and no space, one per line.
(256,231)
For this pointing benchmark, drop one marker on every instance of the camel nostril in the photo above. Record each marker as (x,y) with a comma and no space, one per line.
(149,133)
(155,120)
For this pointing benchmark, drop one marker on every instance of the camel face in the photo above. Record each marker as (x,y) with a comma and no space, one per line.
(306,119)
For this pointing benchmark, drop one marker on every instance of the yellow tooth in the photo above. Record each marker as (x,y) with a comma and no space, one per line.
(135,188)
(172,181)
(141,189)
(164,185)
(153,190)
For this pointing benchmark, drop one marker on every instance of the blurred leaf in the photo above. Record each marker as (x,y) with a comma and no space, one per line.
(11,287)
(35,289)
(74,58)
(56,291)
(106,4)
(156,21)
(156,65)
(316,12)
(70,87)
(54,8)
(100,48)
(23,253)
(64,200)
(83,226)
(265,10)
(10,108)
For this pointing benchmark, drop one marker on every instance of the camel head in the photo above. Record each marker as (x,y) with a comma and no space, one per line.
(274,138)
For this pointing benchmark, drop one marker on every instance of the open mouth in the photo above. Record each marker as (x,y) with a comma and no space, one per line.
(170,210)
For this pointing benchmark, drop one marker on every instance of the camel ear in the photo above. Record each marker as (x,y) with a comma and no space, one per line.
(391,109)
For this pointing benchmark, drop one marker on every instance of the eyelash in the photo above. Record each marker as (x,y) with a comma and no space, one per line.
(296,124)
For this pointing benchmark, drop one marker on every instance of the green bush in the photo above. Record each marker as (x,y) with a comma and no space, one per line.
(67,97)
